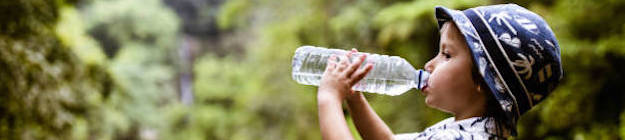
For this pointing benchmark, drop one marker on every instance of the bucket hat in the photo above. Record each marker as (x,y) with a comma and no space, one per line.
(515,52)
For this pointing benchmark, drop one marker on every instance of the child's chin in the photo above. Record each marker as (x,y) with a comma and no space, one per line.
(432,104)
(428,101)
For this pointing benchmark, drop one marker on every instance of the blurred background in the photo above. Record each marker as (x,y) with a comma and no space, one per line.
(220,69)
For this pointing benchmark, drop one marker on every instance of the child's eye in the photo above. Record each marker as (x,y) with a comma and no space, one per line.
(446,55)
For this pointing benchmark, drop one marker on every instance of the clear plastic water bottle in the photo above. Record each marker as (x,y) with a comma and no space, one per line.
(391,75)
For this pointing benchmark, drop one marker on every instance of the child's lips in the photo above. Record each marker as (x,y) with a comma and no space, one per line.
(425,90)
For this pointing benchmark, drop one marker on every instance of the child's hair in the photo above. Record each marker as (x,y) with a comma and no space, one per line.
(493,109)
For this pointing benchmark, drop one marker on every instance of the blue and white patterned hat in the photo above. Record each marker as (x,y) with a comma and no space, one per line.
(516,53)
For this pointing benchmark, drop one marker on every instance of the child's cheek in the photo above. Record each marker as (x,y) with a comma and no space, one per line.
(440,84)
(438,81)
(434,90)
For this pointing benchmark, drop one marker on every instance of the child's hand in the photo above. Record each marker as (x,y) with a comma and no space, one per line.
(339,78)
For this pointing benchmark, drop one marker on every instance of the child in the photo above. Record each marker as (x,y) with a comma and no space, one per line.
(494,64)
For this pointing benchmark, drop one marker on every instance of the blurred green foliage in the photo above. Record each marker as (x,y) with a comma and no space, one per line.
(108,69)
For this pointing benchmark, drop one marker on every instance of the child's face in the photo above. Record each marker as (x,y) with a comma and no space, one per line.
(451,87)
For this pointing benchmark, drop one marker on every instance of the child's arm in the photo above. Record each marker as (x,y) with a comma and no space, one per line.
(336,83)
(369,124)
(331,120)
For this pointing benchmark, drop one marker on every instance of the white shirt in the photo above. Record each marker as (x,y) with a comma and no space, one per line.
(475,128)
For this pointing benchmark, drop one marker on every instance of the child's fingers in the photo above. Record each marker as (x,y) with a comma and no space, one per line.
(354,66)
(361,73)
(331,65)
(342,63)
(349,54)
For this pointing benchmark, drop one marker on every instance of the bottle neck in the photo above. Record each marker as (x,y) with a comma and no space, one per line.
(421,78)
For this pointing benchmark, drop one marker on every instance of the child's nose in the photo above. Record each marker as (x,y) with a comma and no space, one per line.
(429,66)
